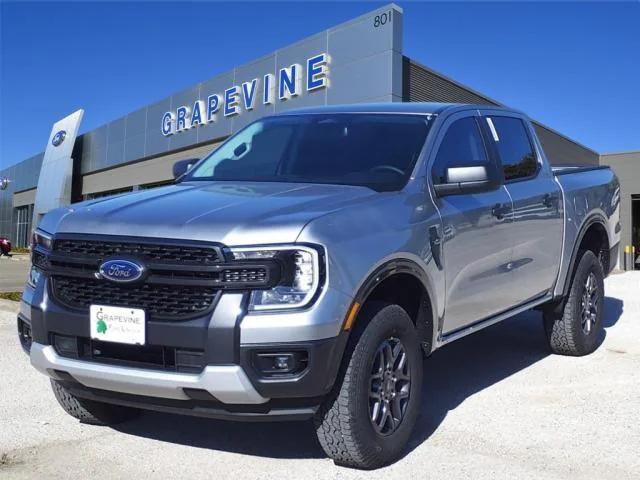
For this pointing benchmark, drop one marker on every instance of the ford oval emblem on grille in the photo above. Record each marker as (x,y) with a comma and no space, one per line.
(58,138)
(121,270)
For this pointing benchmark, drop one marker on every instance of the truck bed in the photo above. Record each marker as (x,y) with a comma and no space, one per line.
(588,190)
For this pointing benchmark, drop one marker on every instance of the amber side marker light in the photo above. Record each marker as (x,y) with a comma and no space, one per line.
(351,316)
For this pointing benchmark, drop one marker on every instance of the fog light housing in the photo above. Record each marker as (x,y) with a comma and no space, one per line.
(24,334)
(280,363)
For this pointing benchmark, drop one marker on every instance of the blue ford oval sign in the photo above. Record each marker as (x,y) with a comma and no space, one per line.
(121,270)
(58,138)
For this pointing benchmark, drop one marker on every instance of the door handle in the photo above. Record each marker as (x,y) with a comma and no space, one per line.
(499,210)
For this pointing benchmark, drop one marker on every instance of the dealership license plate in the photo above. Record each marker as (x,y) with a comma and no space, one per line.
(117,324)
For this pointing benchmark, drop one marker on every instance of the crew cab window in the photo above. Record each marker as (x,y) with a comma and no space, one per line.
(462,146)
(514,147)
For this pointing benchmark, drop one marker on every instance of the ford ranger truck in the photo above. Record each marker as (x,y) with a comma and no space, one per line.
(305,267)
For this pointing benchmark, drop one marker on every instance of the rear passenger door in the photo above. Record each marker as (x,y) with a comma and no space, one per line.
(537,213)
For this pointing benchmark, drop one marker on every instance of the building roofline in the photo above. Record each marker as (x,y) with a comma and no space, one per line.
(624,152)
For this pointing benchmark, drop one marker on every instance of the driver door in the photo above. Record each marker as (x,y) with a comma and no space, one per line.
(477,245)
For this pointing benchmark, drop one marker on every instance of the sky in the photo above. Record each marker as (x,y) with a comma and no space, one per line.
(572,66)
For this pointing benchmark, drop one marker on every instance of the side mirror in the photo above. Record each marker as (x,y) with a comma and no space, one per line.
(473,179)
(183,166)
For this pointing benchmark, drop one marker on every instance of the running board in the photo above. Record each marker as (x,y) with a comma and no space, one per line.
(450,337)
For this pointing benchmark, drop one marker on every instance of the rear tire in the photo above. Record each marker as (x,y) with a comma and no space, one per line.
(383,367)
(575,328)
(89,411)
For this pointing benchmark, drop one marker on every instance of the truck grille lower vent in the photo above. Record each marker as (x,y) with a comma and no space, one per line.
(173,359)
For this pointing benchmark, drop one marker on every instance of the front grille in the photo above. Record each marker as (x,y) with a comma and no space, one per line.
(183,254)
(181,279)
(159,301)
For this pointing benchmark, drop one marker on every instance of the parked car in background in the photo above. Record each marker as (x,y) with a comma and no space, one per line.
(303,269)
(5,246)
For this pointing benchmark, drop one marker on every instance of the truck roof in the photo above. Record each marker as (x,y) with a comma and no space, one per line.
(425,108)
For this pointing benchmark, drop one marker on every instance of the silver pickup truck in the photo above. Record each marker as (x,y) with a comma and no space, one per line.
(304,268)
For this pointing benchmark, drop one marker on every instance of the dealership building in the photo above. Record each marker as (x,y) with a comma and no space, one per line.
(358,61)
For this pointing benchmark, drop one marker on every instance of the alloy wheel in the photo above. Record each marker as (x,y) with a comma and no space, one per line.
(390,385)
(589,303)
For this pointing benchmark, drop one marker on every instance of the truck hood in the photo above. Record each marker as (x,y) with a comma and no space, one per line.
(234,213)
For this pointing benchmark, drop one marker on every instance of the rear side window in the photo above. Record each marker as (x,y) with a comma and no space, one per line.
(514,147)
(462,146)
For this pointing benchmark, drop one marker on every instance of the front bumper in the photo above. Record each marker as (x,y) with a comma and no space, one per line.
(229,385)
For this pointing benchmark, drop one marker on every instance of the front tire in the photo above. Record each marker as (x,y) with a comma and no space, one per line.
(575,329)
(368,420)
(89,411)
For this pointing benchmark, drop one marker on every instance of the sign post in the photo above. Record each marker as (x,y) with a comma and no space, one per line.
(54,183)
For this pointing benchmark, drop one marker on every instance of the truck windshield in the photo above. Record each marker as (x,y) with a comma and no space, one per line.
(378,151)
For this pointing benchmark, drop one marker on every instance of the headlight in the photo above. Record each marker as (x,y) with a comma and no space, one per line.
(299,280)
(41,246)
(34,276)
(41,239)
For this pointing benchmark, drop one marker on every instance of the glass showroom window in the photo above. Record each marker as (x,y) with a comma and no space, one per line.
(23,225)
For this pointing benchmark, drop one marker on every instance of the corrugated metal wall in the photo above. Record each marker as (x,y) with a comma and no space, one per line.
(562,151)
(626,165)
(422,84)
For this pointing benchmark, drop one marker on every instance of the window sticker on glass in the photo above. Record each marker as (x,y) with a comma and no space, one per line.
(493,130)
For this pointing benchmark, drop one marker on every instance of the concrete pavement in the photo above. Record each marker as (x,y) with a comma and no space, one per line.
(497,405)
(13,272)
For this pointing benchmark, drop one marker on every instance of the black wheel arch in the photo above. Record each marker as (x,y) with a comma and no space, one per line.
(381,284)
(594,221)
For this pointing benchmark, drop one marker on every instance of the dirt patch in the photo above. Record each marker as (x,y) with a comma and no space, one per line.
(7,461)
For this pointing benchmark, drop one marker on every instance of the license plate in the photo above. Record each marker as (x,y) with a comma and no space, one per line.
(117,324)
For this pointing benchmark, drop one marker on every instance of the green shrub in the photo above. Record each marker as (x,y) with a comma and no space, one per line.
(15,296)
